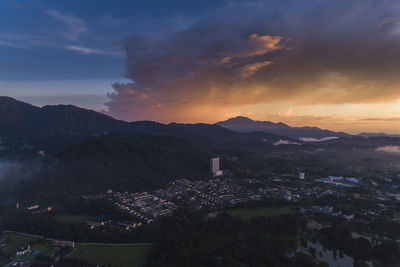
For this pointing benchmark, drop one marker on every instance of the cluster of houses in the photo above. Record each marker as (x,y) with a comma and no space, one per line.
(340,181)
(328,210)
(143,205)
(35,209)
(220,192)
(23,251)
(125,225)
(216,192)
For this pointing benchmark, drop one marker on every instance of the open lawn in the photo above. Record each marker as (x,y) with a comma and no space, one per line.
(73,218)
(125,255)
(246,214)
(16,241)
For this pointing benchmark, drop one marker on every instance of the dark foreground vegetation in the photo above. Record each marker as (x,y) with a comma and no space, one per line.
(225,241)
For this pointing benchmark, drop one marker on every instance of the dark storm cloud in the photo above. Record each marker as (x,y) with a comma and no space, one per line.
(313,52)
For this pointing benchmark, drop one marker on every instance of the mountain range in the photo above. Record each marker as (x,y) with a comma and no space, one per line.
(26,129)
(19,118)
(246,125)
(67,119)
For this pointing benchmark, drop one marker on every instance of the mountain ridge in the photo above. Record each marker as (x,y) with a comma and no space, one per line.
(244,124)
(26,129)
(17,116)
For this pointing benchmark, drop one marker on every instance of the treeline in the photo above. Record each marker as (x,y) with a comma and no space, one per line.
(226,241)
(339,237)
(123,162)
(52,226)
(192,239)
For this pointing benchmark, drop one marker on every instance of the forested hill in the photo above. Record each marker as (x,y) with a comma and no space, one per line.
(17,116)
(124,162)
(28,122)
(26,129)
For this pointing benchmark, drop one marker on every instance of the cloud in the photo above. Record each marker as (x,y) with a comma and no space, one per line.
(75,26)
(250,69)
(313,140)
(11,44)
(25,41)
(392,119)
(260,52)
(91,51)
(280,115)
(389,149)
(12,172)
(6,167)
(95,36)
(256,45)
(285,142)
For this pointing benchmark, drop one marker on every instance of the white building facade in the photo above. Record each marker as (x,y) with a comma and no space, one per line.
(214,167)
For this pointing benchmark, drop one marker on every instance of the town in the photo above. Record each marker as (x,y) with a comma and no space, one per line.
(302,194)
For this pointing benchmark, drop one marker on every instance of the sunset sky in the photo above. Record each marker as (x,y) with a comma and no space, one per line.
(326,63)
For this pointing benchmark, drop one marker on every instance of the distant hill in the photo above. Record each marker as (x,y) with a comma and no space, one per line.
(26,129)
(246,125)
(16,116)
(369,135)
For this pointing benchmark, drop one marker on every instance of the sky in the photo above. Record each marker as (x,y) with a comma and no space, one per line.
(329,63)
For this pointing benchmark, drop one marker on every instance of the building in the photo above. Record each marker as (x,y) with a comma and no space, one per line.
(214,167)
(302,175)
(218,173)
(60,243)
(34,207)
(323,209)
(48,209)
(94,224)
(23,251)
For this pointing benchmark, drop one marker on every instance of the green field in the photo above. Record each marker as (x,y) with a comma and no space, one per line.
(104,254)
(246,214)
(125,255)
(73,218)
(16,241)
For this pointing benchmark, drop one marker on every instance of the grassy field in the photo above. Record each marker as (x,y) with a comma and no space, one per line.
(246,214)
(125,255)
(16,241)
(73,218)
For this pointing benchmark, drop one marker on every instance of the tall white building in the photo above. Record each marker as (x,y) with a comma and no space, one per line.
(302,175)
(214,166)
